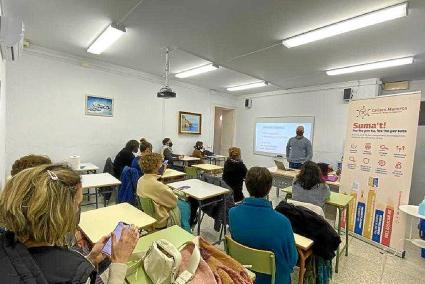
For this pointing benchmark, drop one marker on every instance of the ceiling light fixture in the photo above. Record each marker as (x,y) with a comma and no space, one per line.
(355,23)
(197,70)
(110,35)
(371,66)
(248,86)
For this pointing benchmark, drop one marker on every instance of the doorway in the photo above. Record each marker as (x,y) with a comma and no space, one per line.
(224,130)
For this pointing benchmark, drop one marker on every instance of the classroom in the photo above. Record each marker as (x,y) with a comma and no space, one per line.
(243,141)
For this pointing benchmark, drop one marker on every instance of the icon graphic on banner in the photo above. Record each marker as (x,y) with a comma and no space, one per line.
(373,182)
(398,165)
(382,163)
(363,112)
(383,147)
(353,146)
(400,148)
(368,146)
(352,159)
(366,161)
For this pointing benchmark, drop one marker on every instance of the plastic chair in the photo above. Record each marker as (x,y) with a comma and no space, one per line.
(149,208)
(262,261)
(191,172)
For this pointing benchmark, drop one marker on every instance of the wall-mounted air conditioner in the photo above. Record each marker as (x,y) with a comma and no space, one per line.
(11,37)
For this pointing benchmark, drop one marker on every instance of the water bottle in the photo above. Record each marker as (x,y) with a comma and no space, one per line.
(422,234)
(421,209)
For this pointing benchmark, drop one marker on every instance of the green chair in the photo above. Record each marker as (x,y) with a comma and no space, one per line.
(262,261)
(149,208)
(191,172)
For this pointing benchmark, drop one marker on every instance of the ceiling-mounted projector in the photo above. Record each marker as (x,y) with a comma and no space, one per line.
(166,92)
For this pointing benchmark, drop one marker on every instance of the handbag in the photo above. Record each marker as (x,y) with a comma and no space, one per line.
(162,261)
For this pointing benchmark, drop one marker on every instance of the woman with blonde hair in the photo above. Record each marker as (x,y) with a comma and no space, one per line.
(40,208)
(234,173)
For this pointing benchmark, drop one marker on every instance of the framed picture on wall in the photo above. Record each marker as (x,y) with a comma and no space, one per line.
(99,106)
(190,123)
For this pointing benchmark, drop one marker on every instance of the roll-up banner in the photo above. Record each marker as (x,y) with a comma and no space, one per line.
(378,163)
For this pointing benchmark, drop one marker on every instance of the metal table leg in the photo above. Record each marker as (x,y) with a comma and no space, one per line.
(97,197)
(347,213)
(339,233)
(199,218)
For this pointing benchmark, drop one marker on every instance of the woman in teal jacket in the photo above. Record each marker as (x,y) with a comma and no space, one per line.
(255,224)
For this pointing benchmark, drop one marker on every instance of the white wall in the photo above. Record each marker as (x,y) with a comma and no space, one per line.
(325,103)
(2,122)
(417,191)
(46,98)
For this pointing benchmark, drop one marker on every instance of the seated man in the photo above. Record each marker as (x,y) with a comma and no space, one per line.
(255,224)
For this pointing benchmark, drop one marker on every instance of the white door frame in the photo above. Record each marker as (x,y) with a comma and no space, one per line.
(213,106)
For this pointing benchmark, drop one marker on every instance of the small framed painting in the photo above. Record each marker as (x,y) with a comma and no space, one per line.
(190,123)
(99,106)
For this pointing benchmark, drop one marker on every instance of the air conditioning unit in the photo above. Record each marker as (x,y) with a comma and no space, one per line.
(11,37)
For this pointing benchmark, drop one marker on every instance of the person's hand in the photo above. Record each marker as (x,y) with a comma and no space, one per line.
(95,256)
(123,248)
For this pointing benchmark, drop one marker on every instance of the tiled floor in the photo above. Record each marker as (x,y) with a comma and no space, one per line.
(364,264)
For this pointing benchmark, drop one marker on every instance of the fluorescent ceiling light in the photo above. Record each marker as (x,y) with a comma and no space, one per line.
(197,70)
(106,39)
(371,66)
(248,86)
(355,23)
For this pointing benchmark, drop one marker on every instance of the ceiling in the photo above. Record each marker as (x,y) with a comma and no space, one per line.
(223,31)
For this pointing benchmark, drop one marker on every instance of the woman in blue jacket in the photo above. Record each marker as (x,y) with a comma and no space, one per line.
(255,224)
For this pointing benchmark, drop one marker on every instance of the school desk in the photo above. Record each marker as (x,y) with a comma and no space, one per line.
(98,181)
(201,191)
(208,168)
(283,179)
(101,222)
(171,175)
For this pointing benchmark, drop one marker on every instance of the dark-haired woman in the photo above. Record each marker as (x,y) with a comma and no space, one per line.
(145,148)
(309,185)
(125,157)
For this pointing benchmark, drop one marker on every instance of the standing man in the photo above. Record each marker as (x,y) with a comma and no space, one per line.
(298,149)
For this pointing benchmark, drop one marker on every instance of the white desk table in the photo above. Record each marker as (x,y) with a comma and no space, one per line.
(101,222)
(171,175)
(88,168)
(98,181)
(186,160)
(216,158)
(201,191)
(412,211)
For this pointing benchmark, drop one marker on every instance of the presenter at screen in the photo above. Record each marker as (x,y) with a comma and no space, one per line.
(298,149)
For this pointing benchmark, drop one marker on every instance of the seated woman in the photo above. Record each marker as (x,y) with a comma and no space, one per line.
(255,224)
(29,161)
(40,207)
(125,157)
(145,148)
(309,186)
(199,150)
(234,173)
(326,169)
(167,152)
(163,197)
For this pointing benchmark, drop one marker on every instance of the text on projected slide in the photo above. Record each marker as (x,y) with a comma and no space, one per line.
(273,137)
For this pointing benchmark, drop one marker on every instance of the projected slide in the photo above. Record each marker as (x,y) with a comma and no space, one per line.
(271,137)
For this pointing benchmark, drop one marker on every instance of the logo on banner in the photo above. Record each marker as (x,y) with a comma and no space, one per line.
(363,112)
